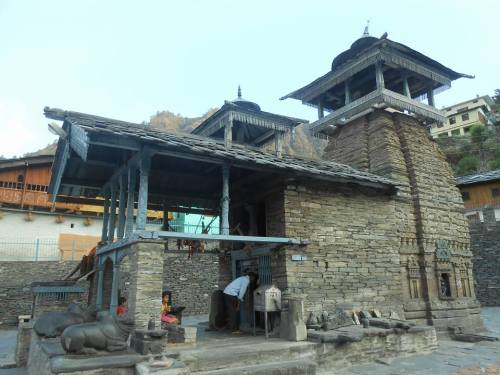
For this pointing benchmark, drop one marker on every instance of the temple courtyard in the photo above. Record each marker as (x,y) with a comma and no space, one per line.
(451,357)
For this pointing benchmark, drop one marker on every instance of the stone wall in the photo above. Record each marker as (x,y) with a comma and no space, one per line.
(15,281)
(485,239)
(353,257)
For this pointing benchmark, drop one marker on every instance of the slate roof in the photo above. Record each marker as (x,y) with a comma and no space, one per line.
(478,178)
(240,154)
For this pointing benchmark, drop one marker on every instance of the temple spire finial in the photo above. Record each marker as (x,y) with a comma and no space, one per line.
(365,32)
(239,91)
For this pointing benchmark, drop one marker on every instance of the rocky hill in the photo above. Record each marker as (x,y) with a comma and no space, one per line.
(299,143)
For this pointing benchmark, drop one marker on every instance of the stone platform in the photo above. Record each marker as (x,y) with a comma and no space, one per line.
(47,357)
(223,354)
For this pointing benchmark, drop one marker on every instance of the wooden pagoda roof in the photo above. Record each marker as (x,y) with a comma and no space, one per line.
(248,115)
(367,51)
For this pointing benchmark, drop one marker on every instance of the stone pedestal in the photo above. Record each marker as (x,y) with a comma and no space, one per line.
(292,325)
(24,329)
(181,335)
(146,281)
(149,342)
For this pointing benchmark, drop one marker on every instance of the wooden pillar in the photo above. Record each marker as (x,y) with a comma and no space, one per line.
(430,97)
(105,219)
(278,143)
(129,220)
(100,284)
(112,214)
(165,217)
(115,284)
(142,199)
(347,91)
(406,86)
(121,207)
(228,131)
(225,200)
(379,76)
(321,109)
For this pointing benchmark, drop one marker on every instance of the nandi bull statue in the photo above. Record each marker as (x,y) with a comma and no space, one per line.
(52,324)
(106,334)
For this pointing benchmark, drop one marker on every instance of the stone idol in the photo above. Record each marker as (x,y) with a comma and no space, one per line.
(52,324)
(106,334)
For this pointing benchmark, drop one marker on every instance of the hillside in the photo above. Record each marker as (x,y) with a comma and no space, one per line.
(474,153)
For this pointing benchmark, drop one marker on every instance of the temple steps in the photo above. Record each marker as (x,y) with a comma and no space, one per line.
(253,358)
(302,367)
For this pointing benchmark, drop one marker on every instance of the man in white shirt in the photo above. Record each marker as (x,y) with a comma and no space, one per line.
(234,293)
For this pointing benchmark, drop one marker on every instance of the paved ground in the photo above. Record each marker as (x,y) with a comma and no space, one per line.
(451,358)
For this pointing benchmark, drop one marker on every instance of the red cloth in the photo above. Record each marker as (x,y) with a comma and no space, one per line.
(121,310)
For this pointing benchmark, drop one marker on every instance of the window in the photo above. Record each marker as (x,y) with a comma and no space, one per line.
(440,124)
(455,132)
(495,192)
(465,195)
(465,117)
(442,135)
(453,120)
(20,178)
(467,130)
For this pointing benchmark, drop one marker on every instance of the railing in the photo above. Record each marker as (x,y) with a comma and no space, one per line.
(43,249)
(157,224)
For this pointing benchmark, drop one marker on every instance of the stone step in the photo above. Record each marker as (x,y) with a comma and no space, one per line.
(274,368)
(218,358)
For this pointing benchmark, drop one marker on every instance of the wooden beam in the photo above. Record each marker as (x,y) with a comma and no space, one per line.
(430,97)
(112,214)
(379,76)
(129,220)
(406,86)
(321,108)
(121,206)
(261,138)
(225,200)
(220,237)
(105,219)
(142,199)
(347,92)
(228,131)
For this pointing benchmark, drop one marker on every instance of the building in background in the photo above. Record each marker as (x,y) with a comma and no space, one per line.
(33,227)
(480,191)
(462,116)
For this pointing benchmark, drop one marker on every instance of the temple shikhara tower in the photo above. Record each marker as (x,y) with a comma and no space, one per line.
(373,107)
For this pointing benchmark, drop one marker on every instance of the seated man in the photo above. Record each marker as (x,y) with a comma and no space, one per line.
(234,293)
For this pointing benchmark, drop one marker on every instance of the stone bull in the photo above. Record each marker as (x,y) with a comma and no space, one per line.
(52,324)
(106,334)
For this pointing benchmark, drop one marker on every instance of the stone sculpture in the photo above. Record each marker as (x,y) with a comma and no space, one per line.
(106,334)
(52,324)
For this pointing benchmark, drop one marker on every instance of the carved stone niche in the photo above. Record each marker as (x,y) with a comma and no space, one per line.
(462,268)
(414,277)
(444,271)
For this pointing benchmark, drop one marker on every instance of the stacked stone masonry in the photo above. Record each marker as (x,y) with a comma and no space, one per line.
(428,209)
(485,238)
(15,280)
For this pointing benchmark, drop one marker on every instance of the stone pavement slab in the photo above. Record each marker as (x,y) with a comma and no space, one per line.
(8,338)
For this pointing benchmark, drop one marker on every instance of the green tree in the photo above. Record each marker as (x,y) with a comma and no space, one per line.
(467,165)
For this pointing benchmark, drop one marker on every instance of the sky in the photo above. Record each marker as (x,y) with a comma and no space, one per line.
(129,59)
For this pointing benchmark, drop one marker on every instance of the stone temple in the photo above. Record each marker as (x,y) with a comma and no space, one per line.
(377,225)
(409,251)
